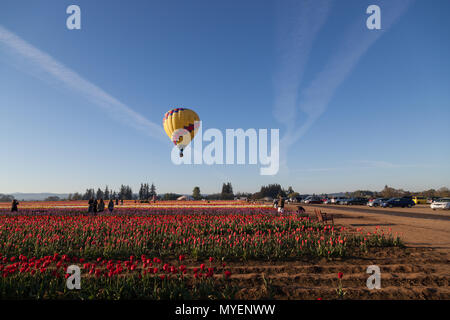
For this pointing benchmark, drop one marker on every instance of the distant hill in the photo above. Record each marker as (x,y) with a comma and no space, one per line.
(37,196)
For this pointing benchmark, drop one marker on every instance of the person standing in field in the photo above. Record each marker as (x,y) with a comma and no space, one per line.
(117,201)
(91,205)
(95,206)
(101,205)
(111,206)
(14,205)
(121,202)
(281,205)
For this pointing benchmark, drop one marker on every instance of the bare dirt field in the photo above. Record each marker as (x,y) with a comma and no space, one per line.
(419,271)
(418,227)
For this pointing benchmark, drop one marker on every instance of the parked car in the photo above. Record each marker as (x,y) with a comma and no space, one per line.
(377,202)
(353,201)
(419,200)
(432,199)
(442,203)
(327,201)
(338,200)
(311,200)
(398,202)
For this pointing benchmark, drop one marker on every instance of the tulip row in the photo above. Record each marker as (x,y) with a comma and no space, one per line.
(137,204)
(248,234)
(105,247)
(47,277)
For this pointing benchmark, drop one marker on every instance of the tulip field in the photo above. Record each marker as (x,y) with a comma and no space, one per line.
(159,252)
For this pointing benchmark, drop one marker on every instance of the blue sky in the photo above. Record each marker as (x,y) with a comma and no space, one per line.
(356,108)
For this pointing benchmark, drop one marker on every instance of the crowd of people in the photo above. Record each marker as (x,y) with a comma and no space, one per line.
(279,204)
(96,206)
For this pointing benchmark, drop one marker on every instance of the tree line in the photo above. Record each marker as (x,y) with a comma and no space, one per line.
(147,192)
(6,197)
(271,190)
(125,193)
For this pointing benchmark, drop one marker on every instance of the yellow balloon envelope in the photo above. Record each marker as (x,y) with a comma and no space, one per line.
(181,125)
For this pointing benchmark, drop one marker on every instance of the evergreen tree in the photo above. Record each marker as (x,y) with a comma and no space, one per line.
(128,193)
(90,193)
(271,190)
(227,191)
(106,193)
(99,194)
(196,193)
(141,192)
(152,191)
(147,191)
(121,192)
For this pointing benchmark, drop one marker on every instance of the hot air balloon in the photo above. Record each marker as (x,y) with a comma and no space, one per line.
(181,125)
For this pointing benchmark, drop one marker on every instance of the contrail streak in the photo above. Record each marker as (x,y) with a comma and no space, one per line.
(317,95)
(72,80)
(300,22)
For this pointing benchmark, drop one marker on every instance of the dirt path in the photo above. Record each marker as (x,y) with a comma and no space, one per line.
(421,271)
(389,212)
(413,273)
(418,227)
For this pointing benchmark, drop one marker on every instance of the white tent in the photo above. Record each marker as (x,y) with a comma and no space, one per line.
(184,198)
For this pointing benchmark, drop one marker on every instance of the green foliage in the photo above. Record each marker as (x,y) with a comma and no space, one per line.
(227,192)
(6,198)
(171,196)
(271,190)
(137,286)
(196,193)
